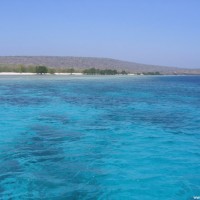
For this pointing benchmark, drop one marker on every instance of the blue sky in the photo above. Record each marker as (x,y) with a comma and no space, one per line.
(164,32)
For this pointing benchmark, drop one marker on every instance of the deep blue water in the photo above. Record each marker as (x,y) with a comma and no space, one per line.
(100,137)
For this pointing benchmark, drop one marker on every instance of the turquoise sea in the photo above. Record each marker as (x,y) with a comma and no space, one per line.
(100,137)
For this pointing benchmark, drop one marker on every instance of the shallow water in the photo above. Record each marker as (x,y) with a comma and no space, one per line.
(100,137)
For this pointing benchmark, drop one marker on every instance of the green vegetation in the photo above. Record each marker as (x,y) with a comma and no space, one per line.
(94,71)
(41,69)
(123,72)
(27,69)
(51,71)
(44,69)
(151,73)
(17,68)
(71,70)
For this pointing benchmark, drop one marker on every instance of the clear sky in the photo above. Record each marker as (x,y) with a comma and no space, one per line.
(163,32)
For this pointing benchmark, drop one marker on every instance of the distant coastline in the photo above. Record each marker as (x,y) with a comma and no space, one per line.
(48,74)
(82,74)
(43,70)
(70,64)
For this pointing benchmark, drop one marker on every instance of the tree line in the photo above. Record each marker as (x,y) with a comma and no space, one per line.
(34,69)
(94,71)
(44,69)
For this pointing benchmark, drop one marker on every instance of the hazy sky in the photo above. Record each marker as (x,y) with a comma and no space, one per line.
(164,32)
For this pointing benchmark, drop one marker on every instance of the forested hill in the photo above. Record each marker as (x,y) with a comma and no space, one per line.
(91,62)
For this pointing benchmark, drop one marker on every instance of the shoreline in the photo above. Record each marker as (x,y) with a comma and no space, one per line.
(82,74)
(55,74)
(35,74)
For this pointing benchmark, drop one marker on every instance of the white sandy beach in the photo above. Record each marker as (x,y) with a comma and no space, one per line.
(15,73)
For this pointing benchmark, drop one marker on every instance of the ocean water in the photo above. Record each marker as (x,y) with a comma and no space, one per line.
(100,137)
